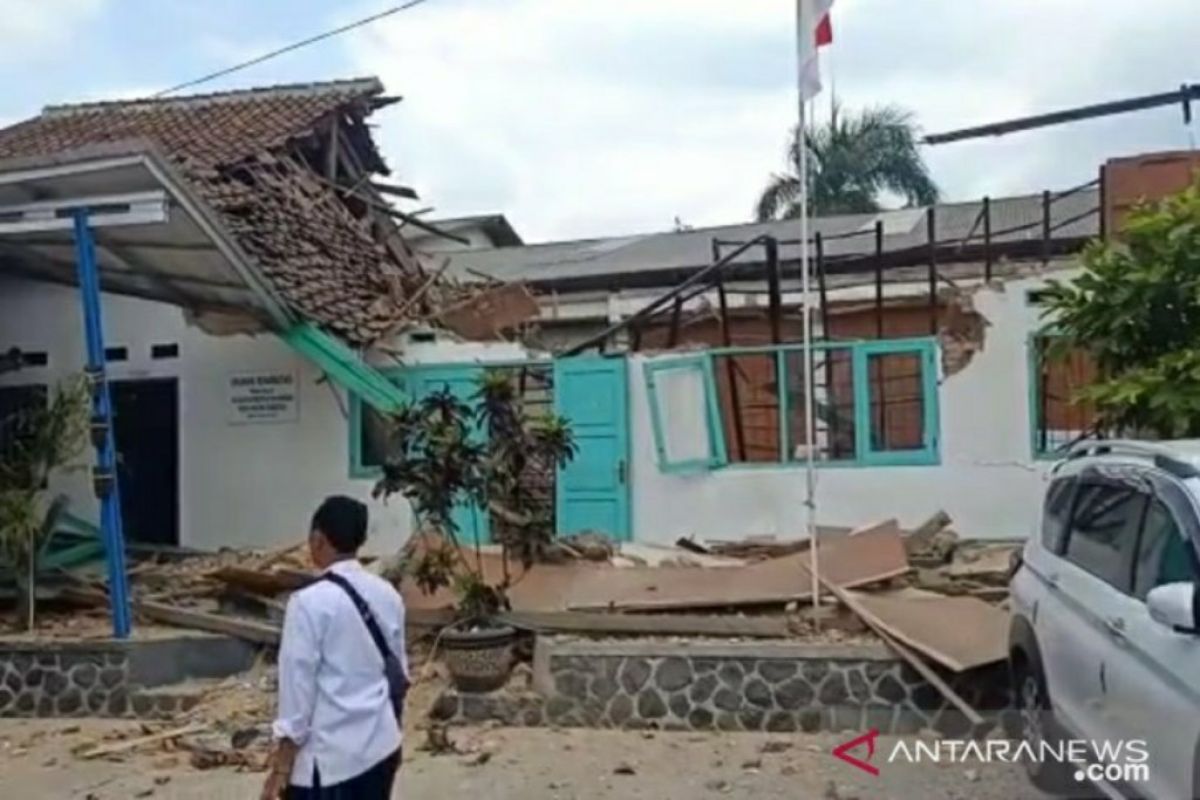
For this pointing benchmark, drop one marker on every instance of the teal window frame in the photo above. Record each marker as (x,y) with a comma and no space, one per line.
(405,378)
(703,365)
(861,353)
(358,470)
(928,454)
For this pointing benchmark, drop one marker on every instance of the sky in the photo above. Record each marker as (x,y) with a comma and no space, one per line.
(584,118)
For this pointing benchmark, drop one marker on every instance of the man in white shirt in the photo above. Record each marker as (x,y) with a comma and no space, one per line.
(336,733)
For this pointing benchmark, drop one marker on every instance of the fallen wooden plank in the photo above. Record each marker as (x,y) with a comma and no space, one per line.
(130,744)
(649,624)
(685,543)
(260,632)
(891,524)
(849,600)
(849,561)
(960,633)
(261,581)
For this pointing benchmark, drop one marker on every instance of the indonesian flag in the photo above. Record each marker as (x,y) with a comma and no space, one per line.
(815,31)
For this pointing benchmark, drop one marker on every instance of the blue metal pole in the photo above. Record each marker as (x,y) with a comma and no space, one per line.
(104,474)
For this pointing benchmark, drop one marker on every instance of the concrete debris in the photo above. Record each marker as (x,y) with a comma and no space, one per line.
(437,740)
(775,746)
(587,546)
(648,555)
(932,543)
(624,768)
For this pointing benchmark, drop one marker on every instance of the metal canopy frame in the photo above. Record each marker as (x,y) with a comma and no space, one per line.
(80,216)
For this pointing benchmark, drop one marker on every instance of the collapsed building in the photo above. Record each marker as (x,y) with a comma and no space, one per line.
(257,339)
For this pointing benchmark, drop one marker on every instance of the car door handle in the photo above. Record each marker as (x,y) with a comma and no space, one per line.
(1116,627)
(1052,580)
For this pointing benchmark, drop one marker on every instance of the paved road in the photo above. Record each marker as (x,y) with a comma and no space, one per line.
(36,762)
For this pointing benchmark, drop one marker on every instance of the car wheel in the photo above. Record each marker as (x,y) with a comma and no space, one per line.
(1036,726)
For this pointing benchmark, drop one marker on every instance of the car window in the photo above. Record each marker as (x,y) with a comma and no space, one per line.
(1103,530)
(1163,553)
(1055,512)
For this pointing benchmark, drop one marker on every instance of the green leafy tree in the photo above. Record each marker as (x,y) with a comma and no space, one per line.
(442,453)
(852,161)
(1136,309)
(39,441)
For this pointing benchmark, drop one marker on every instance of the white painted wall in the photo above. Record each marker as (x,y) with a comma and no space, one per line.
(987,480)
(257,485)
(240,485)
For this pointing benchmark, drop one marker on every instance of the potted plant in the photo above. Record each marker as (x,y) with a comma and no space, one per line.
(444,454)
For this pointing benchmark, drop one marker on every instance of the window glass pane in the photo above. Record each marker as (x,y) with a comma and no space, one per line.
(1055,513)
(1163,554)
(748,394)
(833,410)
(1104,530)
(373,436)
(681,395)
(897,401)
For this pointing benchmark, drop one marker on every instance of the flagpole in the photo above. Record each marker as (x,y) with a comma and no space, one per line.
(810,475)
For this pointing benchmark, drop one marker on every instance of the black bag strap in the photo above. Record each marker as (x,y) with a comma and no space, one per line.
(364,611)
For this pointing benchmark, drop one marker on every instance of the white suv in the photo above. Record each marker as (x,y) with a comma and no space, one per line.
(1105,639)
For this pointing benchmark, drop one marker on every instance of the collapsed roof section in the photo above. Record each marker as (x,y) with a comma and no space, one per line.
(283,173)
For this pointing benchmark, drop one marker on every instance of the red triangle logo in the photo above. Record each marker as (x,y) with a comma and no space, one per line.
(842,751)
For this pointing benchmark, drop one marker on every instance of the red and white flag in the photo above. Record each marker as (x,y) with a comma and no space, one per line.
(815,31)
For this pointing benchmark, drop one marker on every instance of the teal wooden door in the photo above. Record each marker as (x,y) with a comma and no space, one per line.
(472,522)
(592,492)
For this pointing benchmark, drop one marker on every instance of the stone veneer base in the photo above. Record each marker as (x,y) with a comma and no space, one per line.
(108,678)
(743,686)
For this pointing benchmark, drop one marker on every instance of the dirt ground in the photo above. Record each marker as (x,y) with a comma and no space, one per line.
(36,761)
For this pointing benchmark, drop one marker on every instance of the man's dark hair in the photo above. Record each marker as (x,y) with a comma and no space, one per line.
(343,522)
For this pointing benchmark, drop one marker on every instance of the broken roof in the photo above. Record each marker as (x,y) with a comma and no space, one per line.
(661,259)
(251,156)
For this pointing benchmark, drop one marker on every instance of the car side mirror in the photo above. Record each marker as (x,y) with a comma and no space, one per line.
(1174,605)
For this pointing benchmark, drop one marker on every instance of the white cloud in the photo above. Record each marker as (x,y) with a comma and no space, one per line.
(593,118)
(39,29)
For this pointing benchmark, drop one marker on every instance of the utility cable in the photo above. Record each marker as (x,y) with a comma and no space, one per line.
(294,46)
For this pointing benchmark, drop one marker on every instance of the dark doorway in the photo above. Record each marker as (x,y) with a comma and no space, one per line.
(146,422)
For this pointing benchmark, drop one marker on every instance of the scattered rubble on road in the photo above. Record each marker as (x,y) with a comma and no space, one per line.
(925,593)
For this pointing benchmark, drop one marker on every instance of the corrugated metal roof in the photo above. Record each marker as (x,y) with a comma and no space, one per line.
(1074,215)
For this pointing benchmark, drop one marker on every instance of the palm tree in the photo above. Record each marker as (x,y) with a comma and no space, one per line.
(851,161)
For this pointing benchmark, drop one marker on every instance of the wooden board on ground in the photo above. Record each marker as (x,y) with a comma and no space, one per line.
(132,744)
(250,630)
(759,627)
(545,587)
(960,633)
(851,601)
(261,581)
(847,561)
